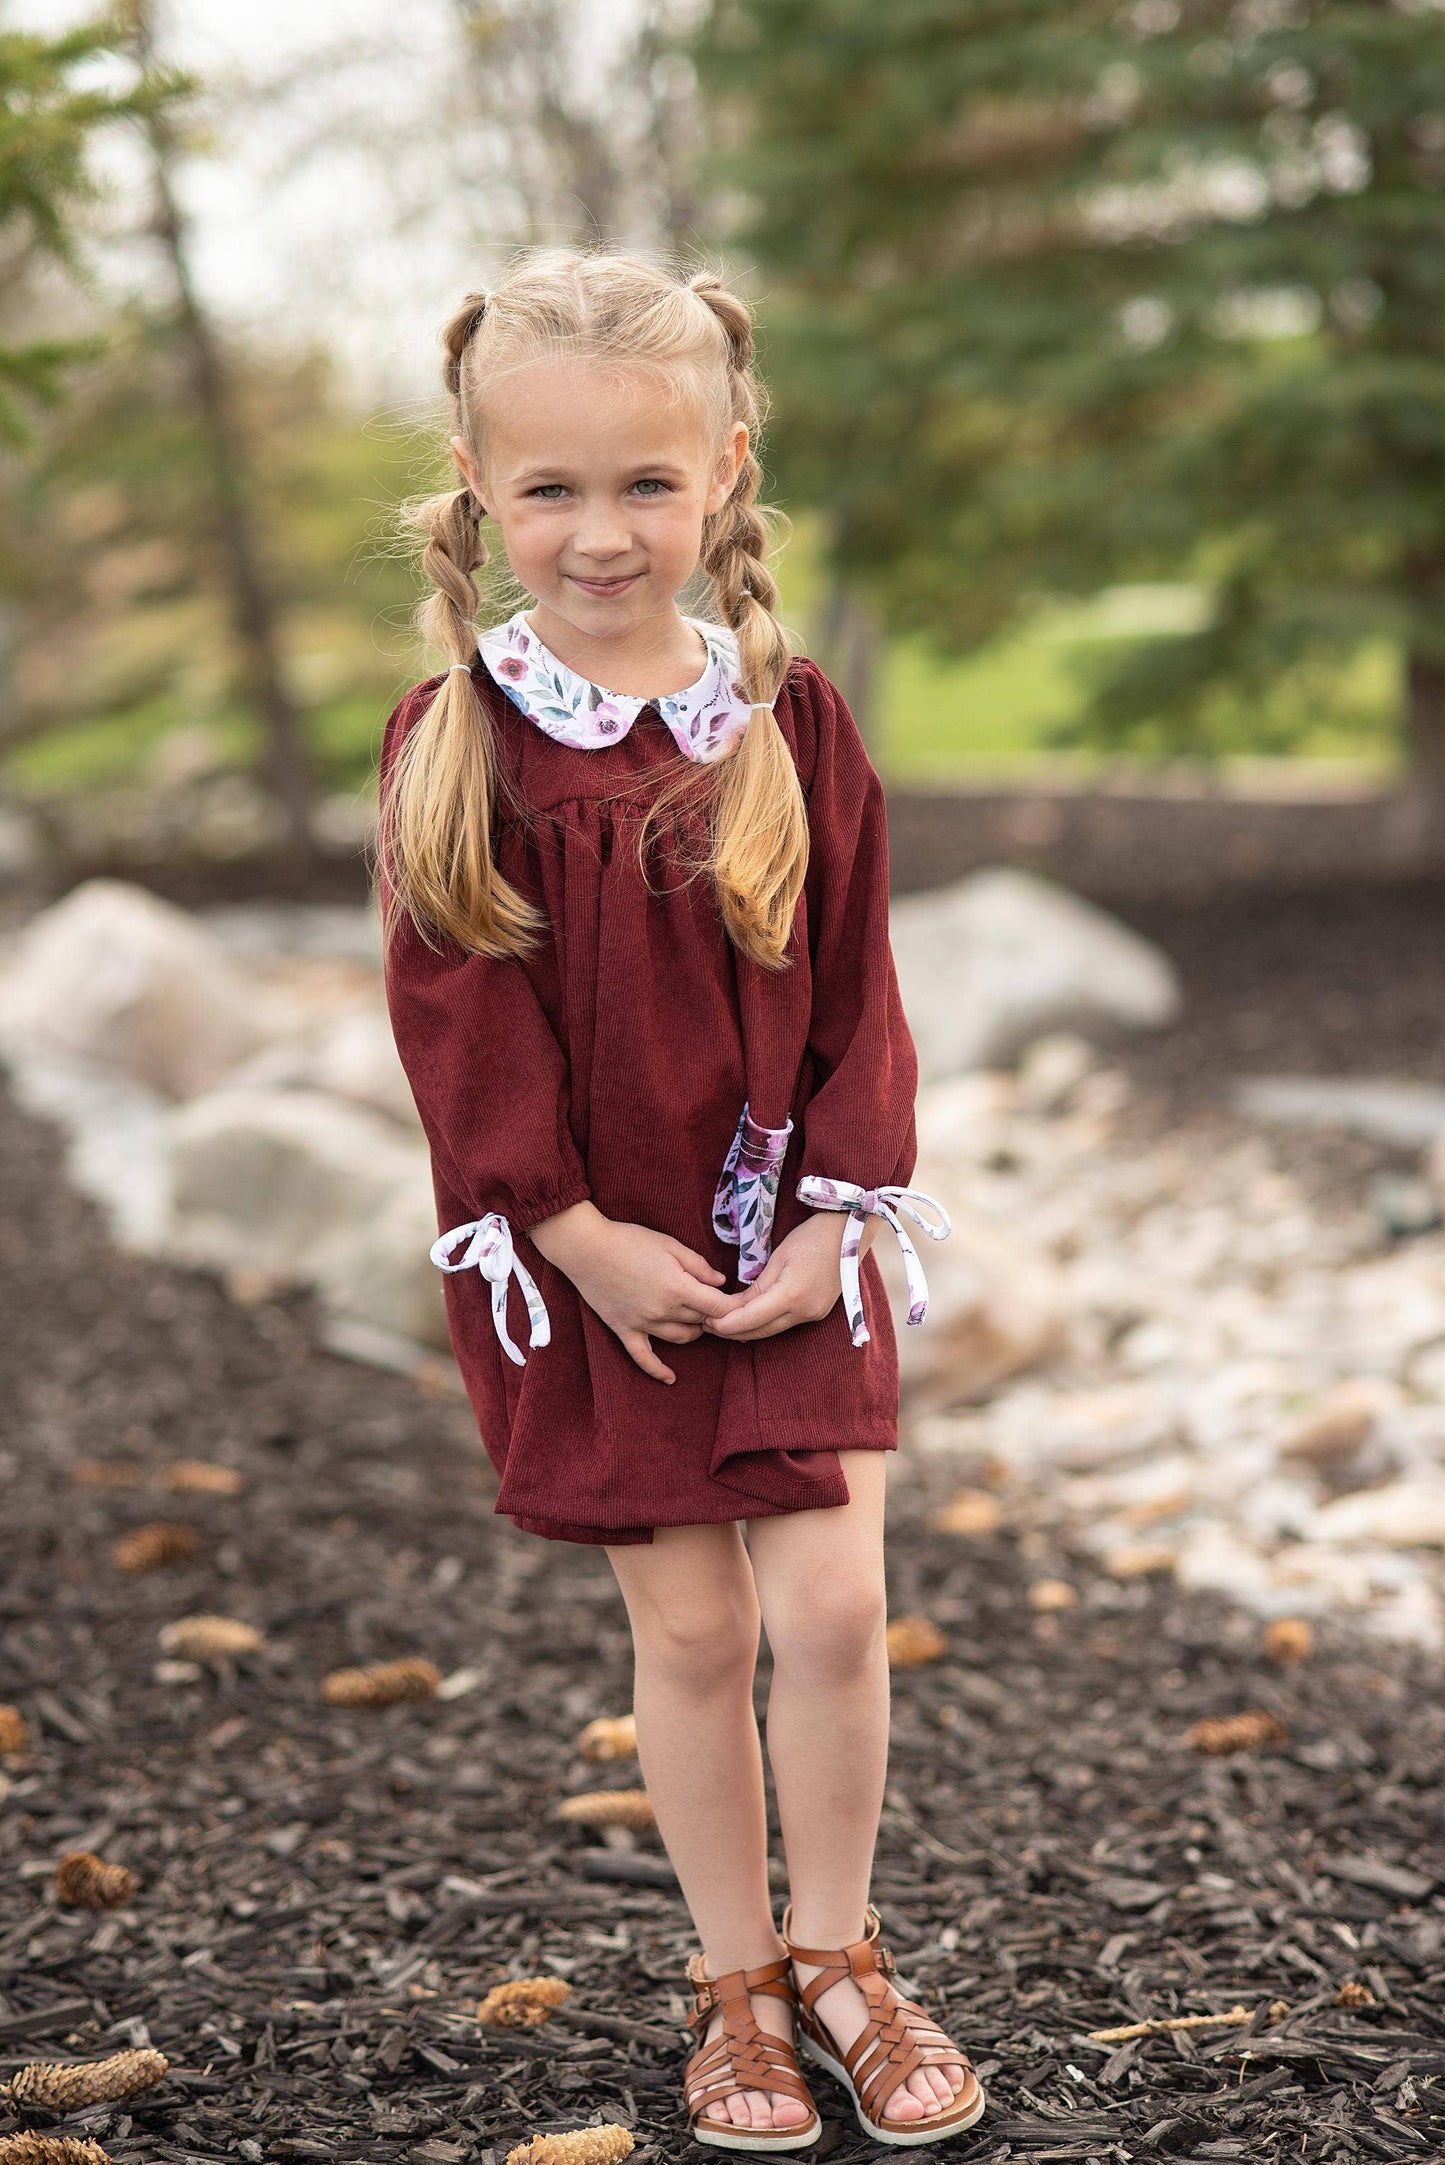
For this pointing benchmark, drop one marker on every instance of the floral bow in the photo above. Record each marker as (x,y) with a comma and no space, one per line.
(489,1248)
(862,1204)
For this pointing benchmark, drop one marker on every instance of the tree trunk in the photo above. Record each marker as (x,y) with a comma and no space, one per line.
(1425,736)
(849,635)
(253,611)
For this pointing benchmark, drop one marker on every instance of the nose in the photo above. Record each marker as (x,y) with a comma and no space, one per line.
(601,535)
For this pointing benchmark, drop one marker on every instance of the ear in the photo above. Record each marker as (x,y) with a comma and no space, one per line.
(467,468)
(729,466)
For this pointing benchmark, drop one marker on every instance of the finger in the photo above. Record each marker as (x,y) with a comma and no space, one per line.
(697,1266)
(759,1312)
(675,1331)
(701,1300)
(639,1346)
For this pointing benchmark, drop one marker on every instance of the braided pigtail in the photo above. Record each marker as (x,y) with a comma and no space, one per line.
(760,825)
(435,830)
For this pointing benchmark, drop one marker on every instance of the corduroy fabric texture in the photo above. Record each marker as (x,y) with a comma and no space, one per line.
(613,1064)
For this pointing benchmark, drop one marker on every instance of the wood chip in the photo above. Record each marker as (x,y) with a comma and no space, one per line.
(1218,1735)
(914,1640)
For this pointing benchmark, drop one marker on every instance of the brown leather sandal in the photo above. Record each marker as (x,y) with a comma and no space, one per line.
(897,2038)
(743,2057)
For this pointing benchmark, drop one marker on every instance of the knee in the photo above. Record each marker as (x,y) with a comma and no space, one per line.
(703,1645)
(831,1628)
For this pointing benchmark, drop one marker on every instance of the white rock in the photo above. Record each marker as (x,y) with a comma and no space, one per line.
(305,1187)
(353,1056)
(113,975)
(994,1307)
(386,1278)
(1003,956)
(1407,1114)
(1052,1069)
(1212,1557)
(1409,1513)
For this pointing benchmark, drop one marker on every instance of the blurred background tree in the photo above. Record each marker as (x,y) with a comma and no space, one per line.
(1064,297)
(48,117)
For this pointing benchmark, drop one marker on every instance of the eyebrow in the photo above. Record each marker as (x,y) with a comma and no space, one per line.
(534,474)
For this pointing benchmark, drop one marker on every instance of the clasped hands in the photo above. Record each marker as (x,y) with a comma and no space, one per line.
(647,1285)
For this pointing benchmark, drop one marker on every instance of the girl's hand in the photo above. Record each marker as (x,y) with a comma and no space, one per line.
(798,1284)
(643,1284)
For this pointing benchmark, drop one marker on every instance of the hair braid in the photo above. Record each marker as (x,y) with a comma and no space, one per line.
(760,846)
(435,829)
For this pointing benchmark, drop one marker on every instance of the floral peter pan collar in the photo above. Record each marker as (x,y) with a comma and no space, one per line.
(703,717)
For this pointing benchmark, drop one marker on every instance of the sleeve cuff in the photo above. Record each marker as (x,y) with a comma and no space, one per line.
(746,1199)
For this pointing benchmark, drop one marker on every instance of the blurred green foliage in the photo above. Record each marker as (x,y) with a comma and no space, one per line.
(108,542)
(50,109)
(1060,297)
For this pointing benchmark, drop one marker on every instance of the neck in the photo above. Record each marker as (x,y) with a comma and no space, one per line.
(648,658)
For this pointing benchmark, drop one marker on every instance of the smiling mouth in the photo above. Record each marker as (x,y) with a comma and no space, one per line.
(605,586)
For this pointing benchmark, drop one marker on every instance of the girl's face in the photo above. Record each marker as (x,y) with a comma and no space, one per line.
(600,485)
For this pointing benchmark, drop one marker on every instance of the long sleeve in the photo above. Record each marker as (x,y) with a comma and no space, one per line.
(858,1124)
(859,1138)
(488,1075)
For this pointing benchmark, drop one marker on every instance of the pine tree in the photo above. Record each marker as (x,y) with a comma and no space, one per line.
(1063,295)
(48,116)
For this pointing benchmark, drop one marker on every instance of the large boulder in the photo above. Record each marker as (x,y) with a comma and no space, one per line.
(114,976)
(302,1187)
(995,1306)
(1004,957)
(352,1055)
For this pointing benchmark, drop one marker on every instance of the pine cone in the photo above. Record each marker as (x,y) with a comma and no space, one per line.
(584,2146)
(1237,1732)
(149,1547)
(28,2149)
(523,2002)
(383,1683)
(14,1736)
(1289,1638)
(201,1477)
(1046,1595)
(209,1638)
(607,1738)
(65,2087)
(609,1808)
(85,1881)
(1353,1994)
(912,1640)
(971,1511)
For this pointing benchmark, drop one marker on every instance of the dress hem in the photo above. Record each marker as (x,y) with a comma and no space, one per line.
(826,1497)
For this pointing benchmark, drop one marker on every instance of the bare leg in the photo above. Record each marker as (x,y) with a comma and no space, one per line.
(820,1584)
(694,1615)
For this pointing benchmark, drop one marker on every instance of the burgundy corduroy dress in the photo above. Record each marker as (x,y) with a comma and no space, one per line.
(613,1064)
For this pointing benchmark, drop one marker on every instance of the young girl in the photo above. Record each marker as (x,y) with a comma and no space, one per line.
(633,868)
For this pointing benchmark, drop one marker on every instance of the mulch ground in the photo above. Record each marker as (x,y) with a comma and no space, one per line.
(323,1896)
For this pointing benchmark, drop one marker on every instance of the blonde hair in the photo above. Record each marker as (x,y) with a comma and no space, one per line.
(435,832)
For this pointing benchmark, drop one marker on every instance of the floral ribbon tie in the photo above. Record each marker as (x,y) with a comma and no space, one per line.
(490,1250)
(886,1203)
(747,1192)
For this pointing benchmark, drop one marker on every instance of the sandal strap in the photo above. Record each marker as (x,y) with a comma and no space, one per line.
(898,2036)
(742,2056)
